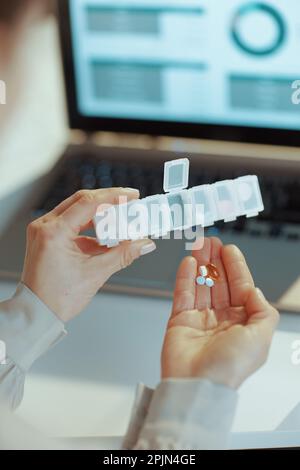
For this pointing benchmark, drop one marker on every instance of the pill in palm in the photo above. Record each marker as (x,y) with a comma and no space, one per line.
(209,282)
(203,271)
(201,281)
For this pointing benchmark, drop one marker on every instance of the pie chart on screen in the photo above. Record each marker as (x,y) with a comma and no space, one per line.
(259,29)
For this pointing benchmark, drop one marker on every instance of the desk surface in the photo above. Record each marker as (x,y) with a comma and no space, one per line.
(85,385)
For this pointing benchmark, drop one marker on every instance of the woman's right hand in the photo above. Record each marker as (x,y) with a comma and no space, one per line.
(64,269)
(222,334)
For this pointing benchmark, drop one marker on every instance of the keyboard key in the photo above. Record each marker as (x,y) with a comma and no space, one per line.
(89,181)
(275,231)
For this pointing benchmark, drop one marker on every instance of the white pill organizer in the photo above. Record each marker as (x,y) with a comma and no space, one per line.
(179,208)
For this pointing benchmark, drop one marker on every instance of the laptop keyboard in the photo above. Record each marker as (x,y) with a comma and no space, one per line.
(281,194)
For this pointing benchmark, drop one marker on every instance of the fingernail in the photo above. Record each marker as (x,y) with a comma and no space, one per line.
(146,249)
(132,190)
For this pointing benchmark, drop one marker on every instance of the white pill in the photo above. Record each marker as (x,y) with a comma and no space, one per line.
(209,282)
(200,281)
(203,271)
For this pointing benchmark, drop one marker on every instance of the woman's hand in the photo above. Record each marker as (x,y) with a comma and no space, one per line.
(224,333)
(65,270)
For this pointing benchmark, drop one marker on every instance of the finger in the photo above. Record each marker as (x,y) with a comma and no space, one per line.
(203,294)
(239,278)
(64,205)
(116,259)
(220,297)
(90,246)
(260,310)
(262,318)
(185,287)
(82,211)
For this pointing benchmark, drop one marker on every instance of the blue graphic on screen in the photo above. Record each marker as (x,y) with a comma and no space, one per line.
(195,61)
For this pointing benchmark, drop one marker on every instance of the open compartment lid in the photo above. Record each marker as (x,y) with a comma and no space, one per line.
(176,175)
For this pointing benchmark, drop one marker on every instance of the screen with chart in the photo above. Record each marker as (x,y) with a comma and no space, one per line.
(214,62)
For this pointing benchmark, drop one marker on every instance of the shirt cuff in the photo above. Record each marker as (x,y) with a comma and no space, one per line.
(28,327)
(188,414)
(143,397)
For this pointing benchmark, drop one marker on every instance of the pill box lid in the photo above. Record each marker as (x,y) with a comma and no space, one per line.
(176,175)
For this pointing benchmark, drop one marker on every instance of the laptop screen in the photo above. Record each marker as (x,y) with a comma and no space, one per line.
(206,62)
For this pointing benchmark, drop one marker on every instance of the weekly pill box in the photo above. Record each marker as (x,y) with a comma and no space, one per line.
(180,208)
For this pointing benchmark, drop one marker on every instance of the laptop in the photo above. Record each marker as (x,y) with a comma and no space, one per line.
(209,80)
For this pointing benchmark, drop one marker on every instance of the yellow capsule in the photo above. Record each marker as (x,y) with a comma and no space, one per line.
(212,272)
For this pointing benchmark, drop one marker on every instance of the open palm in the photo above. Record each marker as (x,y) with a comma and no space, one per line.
(223,333)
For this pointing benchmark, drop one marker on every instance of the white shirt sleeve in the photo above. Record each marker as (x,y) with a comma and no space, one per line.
(27,329)
(182,414)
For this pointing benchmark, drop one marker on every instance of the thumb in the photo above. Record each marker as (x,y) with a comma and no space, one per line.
(123,256)
(260,311)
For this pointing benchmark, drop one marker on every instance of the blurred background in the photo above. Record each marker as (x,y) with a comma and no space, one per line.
(227,105)
(38,125)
